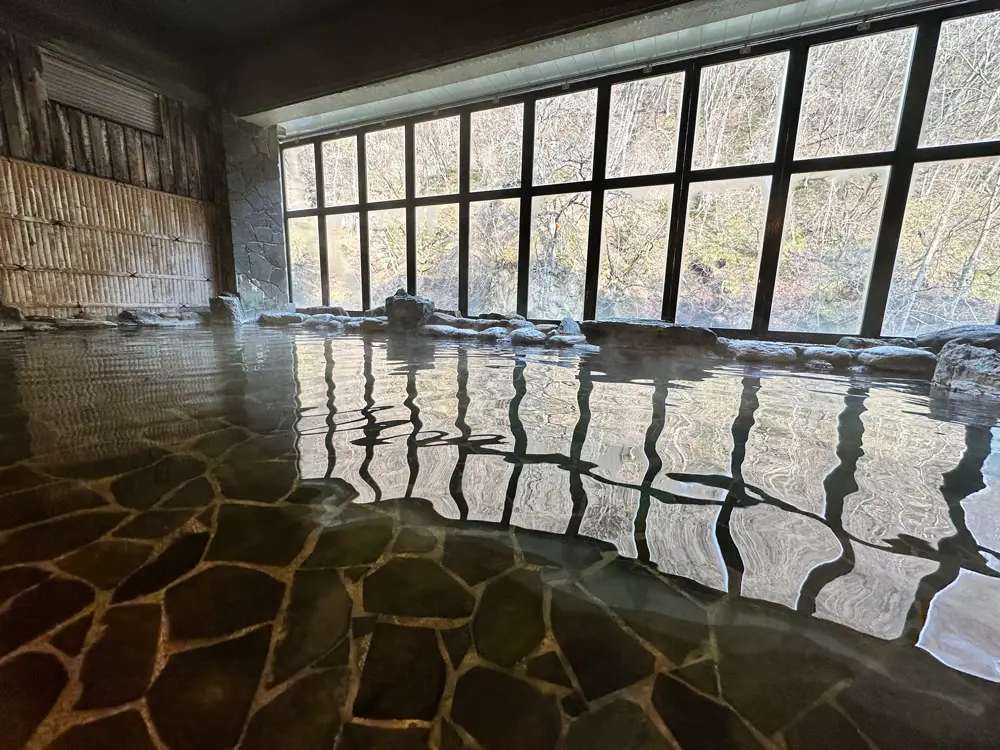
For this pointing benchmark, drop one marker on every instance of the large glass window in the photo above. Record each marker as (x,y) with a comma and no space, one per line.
(340,172)
(634,252)
(963,106)
(343,252)
(299,168)
(558,267)
(721,257)
(643,126)
(437,254)
(385,152)
(386,252)
(831,225)
(853,95)
(948,262)
(436,156)
(493,250)
(564,137)
(497,135)
(738,110)
(303,251)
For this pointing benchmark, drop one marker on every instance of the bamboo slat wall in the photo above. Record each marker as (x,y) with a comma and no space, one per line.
(70,241)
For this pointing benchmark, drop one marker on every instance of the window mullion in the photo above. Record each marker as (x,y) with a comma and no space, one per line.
(524,233)
(366,301)
(597,202)
(464,176)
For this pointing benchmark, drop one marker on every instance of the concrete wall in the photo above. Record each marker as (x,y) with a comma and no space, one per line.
(253,179)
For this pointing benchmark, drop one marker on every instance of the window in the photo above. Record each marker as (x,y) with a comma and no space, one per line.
(437,254)
(497,135)
(558,267)
(564,137)
(738,111)
(340,172)
(436,156)
(493,250)
(962,105)
(343,248)
(385,152)
(299,166)
(643,126)
(853,95)
(303,251)
(831,225)
(722,244)
(947,268)
(386,252)
(634,252)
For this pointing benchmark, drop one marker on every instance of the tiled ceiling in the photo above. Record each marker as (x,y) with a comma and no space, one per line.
(677,32)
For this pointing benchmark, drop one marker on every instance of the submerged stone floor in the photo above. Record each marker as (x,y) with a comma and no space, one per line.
(193,592)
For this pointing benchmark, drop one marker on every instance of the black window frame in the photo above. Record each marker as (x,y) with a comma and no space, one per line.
(900,161)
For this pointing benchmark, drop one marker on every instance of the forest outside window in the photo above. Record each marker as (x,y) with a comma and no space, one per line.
(340,172)
(558,266)
(643,126)
(303,253)
(497,136)
(343,252)
(436,156)
(387,252)
(385,151)
(564,137)
(493,251)
(437,254)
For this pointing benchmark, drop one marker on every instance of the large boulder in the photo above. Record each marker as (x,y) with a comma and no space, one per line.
(515,323)
(83,324)
(374,325)
(835,356)
(767,352)
(11,318)
(986,337)
(375,312)
(530,336)
(226,310)
(634,332)
(859,342)
(406,311)
(496,333)
(324,320)
(145,319)
(566,339)
(898,359)
(963,368)
(568,327)
(323,310)
(436,330)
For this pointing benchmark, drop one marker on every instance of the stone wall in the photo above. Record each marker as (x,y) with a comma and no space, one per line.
(254,182)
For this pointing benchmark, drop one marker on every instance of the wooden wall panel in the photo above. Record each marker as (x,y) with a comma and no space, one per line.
(70,241)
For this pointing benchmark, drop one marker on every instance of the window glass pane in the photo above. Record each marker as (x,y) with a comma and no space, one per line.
(385,154)
(558,266)
(343,252)
(634,252)
(738,110)
(299,166)
(436,156)
(386,253)
(722,243)
(831,226)
(340,171)
(564,137)
(437,255)
(948,263)
(853,94)
(303,251)
(496,148)
(963,106)
(493,241)
(642,131)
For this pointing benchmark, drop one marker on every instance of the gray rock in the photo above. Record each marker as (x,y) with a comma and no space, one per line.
(83,324)
(226,310)
(323,310)
(832,355)
(530,336)
(636,332)
(407,311)
(436,330)
(439,318)
(497,333)
(568,327)
(858,342)
(35,326)
(547,328)
(373,325)
(151,320)
(986,337)
(558,339)
(515,323)
(280,318)
(323,320)
(494,316)
(898,359)
(768,352)
(974,370)
(11,318)
(374,312)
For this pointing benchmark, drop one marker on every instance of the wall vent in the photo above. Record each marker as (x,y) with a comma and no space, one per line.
(87,89)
